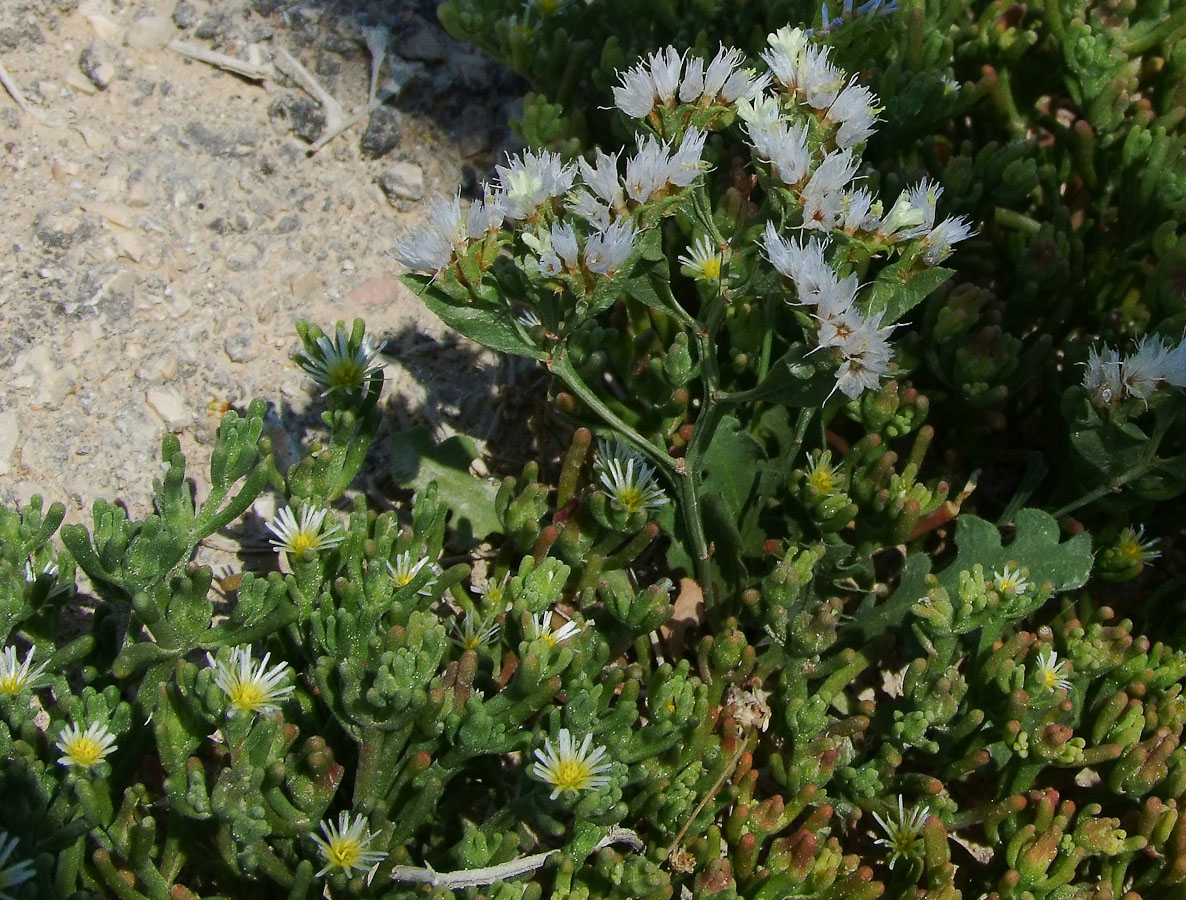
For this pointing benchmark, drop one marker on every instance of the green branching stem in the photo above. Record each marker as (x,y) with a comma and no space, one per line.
(1147,463)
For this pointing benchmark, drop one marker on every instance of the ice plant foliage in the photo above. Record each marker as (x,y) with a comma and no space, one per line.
(250,687)
(13,873)
(568,767)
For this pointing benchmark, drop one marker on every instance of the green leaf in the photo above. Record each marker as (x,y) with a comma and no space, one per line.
(901,287)
(732,467)
(1035,545)
(416,461)
(487,325)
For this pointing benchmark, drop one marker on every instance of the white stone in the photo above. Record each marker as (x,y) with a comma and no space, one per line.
(10,433)
(170,406)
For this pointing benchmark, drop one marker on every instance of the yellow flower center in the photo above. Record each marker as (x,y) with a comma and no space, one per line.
(346,374)
(631,498)
(822,479)
(711,268)
(548,7)
(1050,678)
(571,775)
(471,643)
(11,684)
(304,540)
(548,638)
(248,696)
(84,751)
(344,853)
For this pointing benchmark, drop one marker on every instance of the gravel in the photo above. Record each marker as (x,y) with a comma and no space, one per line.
(169,224)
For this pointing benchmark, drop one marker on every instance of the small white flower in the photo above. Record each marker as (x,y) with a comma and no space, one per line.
(606,251)
(474,632)
(84,748)
(703,260)
(589,208)
(913,213)
(939,241)
(430,247)
(648,169)
(803,263)
(786,47)
(784,146)
(903,832)
(530,180)
(484,215)
(855,112)
(345,846)
(666,65)
(760,114)
(692,85)
(50,569)
(1010,581)
(1052,672)
(404,571)
(603,178)
(864,348)
(823,195)
(1142,372)
(744,84)
(540,629)
(16,676)
(635,96)
(1102,377)
(250,687)
(335,367)
(835,300)
(685,163)
(294,538)
(627,478)
(569,767)
(1132,547)
(857,211)
(564,242)
(14,873)
(719,71)
(819,80)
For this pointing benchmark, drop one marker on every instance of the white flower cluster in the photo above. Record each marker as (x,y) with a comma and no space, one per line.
(449,228)
(863,343)
(667,75)
(1111,379)
(913,216)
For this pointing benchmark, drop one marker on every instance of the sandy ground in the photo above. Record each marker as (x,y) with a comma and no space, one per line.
(167,224)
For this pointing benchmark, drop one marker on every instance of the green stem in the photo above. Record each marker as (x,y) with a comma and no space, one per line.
(1148,461)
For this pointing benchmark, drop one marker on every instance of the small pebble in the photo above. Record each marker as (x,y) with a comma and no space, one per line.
(93,66)
(184,14)
(403,181)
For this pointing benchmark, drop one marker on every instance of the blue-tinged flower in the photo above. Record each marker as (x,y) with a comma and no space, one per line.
(13,873)
(337,367)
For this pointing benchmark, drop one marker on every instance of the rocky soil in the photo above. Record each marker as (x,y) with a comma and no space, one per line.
(166,223)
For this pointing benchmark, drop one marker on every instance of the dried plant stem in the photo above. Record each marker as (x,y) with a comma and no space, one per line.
(254,71)
(19,98)
(465,878)
(712,792)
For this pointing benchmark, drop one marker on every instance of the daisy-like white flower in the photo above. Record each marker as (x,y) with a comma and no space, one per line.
(1130,546)
(1010,581)
(474,632)
(403,572)
(703,260)
(337,367)
(31,575)
(626,478)
(1052,672)
(541,629)
(16,676)
(309,533)
(84,748)
(14,873)
(823,476)
(569,767)
(345,847)
(249,687)
(903,832)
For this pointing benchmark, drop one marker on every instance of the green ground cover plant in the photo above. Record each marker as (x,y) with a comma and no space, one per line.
(846,565)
